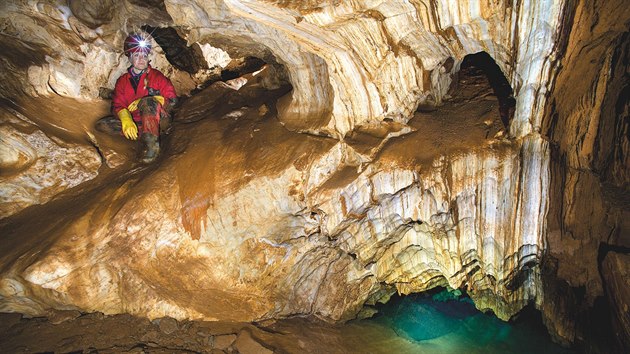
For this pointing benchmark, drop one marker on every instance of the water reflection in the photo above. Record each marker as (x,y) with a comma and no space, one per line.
(448,322)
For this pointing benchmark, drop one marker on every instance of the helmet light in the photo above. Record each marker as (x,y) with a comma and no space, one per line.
(137,43)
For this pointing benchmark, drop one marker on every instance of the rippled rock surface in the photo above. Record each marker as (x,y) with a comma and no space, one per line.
(356,165)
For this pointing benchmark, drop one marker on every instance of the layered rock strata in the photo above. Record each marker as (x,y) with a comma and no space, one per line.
(341,200)
(349,63)
(39,156)
(271,223)
(616,272)
(586,124)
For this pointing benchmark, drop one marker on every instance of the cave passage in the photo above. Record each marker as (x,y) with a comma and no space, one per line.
(449,322)
(183,57)
(482,63)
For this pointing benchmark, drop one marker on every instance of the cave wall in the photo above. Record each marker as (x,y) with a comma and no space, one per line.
(342,59)
(57,57)
(340,81)
(352,226)
(79,52)
(586,122)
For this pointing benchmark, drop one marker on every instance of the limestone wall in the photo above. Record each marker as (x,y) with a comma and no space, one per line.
(251,217)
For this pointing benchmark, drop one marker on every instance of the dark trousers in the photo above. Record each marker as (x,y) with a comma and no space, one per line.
(154,120)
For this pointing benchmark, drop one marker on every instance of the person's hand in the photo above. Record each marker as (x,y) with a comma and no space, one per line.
(129,128)
(133,105)
(160,99)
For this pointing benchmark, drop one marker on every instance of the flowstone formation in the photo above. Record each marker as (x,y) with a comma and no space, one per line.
(349,168)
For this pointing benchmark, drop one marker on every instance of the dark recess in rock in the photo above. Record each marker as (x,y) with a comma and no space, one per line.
(498,82)
(150,3)
(238,68)
(178,53)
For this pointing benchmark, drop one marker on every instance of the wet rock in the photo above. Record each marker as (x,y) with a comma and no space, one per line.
(150,337)
(93,13)
(205,337)
(239,67)
(59,316)
(616,271)
(167,325)
(177,51)
(9,319)
(204,332)
(223,342)
(17,153)
(367,312)
(178,342)
(588,157)
(35,163)
(339,83)
(392,223)
(245,344)
(93,316)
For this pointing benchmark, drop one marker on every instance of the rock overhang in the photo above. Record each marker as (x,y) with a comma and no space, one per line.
(348,64)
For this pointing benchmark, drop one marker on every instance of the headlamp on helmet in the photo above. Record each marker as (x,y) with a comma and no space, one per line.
(137,43)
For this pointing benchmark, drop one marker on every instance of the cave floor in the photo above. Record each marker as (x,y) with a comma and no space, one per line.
(469,120)
(72,332)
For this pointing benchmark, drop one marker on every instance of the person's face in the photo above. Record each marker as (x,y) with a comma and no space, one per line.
(139,60)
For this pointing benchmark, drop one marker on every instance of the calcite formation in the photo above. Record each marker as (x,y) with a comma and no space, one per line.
(38,163)
(274,224)
(333,198)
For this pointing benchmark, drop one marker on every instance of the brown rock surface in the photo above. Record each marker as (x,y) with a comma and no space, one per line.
(589,198)
(616,271)
(338,195)
(247,345)
(45,151)
(125,333)
(210,227)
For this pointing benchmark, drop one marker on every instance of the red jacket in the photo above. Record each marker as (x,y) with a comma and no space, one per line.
(124,92)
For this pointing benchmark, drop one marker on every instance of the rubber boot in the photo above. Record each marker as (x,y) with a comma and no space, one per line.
(110,125)
(151,148)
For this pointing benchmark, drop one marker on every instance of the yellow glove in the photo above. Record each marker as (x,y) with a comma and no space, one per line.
(134,105)
(160,99)
(129,128)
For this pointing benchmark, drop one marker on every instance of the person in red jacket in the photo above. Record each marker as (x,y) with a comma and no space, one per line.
(143,98)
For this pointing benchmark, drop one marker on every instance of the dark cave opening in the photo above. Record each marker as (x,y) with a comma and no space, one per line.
(447,320)
(177,52)
(482,63)
(239,67)
(191,60)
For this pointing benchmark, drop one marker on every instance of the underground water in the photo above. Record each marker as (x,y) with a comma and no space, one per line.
(443,321)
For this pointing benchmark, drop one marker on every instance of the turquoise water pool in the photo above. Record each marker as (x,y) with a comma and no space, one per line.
(448,323)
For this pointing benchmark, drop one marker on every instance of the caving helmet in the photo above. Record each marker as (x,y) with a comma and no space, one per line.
(137,42)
